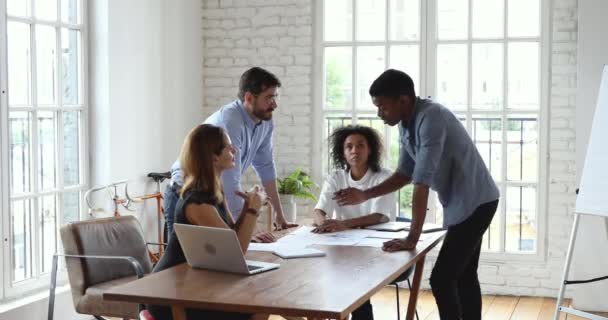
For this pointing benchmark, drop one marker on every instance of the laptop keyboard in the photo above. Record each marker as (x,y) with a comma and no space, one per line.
(252,268)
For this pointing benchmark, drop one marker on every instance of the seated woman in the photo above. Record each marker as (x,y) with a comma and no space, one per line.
(356,152)
(207,151)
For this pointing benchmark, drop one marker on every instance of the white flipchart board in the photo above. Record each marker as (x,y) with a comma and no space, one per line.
(593,189)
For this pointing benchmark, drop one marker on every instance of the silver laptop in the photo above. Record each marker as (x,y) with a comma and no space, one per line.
(216,249)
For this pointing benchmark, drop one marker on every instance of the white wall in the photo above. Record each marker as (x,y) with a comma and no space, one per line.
(592,236)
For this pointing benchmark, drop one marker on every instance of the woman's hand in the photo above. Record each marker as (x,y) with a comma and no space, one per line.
(330,225)
(254,198)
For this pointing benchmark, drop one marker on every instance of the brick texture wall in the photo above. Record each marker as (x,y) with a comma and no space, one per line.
(278,35)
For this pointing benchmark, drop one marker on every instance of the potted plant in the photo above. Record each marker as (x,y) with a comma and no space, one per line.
(296,185)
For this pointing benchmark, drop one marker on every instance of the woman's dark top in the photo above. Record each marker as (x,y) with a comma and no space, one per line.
(174,255)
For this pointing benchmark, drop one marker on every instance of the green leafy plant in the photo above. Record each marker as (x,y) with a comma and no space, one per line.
(299,184)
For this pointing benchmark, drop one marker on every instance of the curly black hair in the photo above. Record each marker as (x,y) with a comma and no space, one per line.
(374,142)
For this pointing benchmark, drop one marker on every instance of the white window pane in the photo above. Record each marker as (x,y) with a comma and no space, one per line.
(19,63)
(522,149)
(19,124)
(47,149)
(452,75)
(491,239)
(22,239)
(488,18)
(487,90)
(71,207)
(486,133)
(521,228)
(523,75)
(338,78)
(331,123)
(71,11)
(452,19)
(46,9)
(405,19)
(18,8)
(370,64)
(338,20)
(407,59)
(46,64)
(71,66)
(71,147)
(371,20)
(47,231)
(524,18)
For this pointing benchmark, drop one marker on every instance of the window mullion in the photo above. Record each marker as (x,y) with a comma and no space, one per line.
(34,156)
(503,186)
(354,64)
(59,183)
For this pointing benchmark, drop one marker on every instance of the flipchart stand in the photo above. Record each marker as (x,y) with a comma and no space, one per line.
(559,308)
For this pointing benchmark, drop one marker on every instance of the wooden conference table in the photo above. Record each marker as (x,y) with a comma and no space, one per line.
(322,287)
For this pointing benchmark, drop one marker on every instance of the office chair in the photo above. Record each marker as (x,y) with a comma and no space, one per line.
(405,276)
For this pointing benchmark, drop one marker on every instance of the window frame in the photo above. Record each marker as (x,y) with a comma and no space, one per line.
(428,54)
(40,280)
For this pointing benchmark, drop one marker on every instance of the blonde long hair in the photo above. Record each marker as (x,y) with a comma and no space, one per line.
(201,144)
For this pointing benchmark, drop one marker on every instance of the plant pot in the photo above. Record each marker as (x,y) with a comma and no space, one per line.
(289,206)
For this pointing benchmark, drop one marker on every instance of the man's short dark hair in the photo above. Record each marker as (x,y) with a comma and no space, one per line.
(256,80)
(393,83)
(374,142)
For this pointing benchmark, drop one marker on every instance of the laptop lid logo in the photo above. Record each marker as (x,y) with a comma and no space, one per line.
(210,249)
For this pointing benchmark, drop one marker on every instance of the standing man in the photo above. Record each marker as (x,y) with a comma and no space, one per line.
(436,152)
(248,122)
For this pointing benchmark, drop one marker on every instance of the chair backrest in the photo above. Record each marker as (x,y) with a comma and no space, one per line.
(115,236)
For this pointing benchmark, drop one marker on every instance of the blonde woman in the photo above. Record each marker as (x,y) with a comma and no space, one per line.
(206,152)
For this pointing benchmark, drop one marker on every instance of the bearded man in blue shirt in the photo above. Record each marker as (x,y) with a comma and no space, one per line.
(436,152)
(248,122)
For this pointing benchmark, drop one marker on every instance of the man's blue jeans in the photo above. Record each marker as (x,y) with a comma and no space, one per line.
(170,198)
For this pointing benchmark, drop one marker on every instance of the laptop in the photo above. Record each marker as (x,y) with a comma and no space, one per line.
(216,249)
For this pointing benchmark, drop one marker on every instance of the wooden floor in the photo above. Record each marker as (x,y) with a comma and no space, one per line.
(494,307)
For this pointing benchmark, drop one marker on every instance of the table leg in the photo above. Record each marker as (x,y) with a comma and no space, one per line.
(411,306)
(179,312)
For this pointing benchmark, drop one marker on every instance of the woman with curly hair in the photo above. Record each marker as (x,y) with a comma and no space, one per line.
(356,152)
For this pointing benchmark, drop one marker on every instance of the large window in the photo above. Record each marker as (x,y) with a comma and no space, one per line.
(480,58)
(43,129)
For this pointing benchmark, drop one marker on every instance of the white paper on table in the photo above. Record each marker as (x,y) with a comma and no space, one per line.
(389,235)
(371,242)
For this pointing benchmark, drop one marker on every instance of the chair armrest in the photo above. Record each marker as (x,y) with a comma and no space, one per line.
(136,265)
(164,244)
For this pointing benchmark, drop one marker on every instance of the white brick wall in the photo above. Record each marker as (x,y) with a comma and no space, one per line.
(277,35)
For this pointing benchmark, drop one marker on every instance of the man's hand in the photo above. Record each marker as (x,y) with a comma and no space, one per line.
(280,223)
(349,196)
(263,237)
(330,225)
(399,245)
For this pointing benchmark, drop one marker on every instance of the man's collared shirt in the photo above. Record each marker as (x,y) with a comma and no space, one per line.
(253,143)
(437,151)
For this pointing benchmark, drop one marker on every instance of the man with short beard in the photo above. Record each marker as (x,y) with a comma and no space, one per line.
(248,122)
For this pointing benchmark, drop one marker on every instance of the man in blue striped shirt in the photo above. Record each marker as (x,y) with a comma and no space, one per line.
(248,122)
(436,152)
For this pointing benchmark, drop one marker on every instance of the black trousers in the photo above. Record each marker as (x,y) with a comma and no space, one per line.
(364,312)
(454,278)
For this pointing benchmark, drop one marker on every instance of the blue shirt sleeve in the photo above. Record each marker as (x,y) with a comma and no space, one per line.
(263,163)
(231,178)
(405,166)
(431,139)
